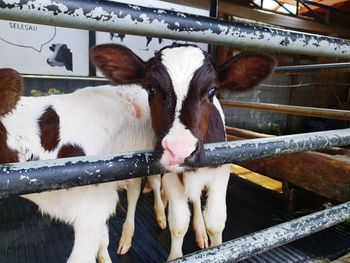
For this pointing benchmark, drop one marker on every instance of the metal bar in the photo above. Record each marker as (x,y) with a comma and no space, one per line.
(36,176)
(261,241)
(312,11)
(31,76)
(312,67)
(288,109)
(297,6)
(102,15)
(213,12)
(285,8)
(327,7)
(92,43)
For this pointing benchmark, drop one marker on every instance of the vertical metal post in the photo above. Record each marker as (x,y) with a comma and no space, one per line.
(297,11)
(213,12)
(92,42)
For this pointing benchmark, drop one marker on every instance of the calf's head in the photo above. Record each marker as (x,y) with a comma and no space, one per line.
(181,81)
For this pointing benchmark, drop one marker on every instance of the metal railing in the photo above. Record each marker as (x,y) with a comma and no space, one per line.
(110,16)
(36,176)
(43,175)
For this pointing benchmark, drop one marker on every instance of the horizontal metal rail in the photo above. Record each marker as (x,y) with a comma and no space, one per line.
(32,76)
(108,16)
(312,67)
(36,176)
(288,109)
(261,241)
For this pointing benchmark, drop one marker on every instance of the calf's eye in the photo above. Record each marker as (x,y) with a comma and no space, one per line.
(212,93)
(151,92)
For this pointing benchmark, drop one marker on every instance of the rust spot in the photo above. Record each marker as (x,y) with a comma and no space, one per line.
(7,155)
(70,150)
(49,124)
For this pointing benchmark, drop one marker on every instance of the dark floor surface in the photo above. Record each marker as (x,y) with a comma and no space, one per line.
(26,236)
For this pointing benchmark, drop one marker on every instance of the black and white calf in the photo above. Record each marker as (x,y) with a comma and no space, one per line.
(181,82)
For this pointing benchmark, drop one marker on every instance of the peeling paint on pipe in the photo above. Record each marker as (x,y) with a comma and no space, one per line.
(124,18)
(37,176)
(261,241)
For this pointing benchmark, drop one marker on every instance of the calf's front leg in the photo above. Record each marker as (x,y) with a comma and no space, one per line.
(159,209)
(133,193)
(215,210)
(178,213)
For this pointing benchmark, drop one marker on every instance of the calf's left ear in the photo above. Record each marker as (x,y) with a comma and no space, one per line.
(245,71)
(118,63)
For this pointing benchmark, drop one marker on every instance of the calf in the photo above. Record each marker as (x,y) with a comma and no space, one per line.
(181,82)
(90,121)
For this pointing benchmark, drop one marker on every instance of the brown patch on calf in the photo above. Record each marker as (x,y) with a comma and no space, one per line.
(196,108)
(70,150)
(162,98)
(216,129)
(7,155)
(11,87)
(49,124)
(118,63)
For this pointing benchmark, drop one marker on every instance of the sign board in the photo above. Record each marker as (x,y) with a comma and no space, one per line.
(39,49)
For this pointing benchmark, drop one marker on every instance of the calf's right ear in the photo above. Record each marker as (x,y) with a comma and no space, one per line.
(118,63)
(11,88)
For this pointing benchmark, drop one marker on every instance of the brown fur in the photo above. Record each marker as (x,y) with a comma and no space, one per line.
(7,155)
(70,150)
(11,88)
(49,124)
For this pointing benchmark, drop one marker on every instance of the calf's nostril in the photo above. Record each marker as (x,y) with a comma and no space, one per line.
(167,148)
(194,157)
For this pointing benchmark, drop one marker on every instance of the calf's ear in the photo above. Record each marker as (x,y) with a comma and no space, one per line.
(11,88)
(245,71)
(118,63)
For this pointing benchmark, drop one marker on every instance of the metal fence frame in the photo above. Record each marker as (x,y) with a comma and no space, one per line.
(21,178)
(102,15)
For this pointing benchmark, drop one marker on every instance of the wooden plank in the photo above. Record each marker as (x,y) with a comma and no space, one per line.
(325,2)
(323,174)
(246,134)
(256,178)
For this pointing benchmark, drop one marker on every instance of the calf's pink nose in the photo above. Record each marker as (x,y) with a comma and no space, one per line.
(177,150)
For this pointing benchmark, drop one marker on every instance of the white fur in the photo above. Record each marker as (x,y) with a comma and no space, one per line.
(181,63)
(101,120)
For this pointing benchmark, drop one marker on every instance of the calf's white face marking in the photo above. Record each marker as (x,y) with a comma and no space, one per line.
(181,63)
